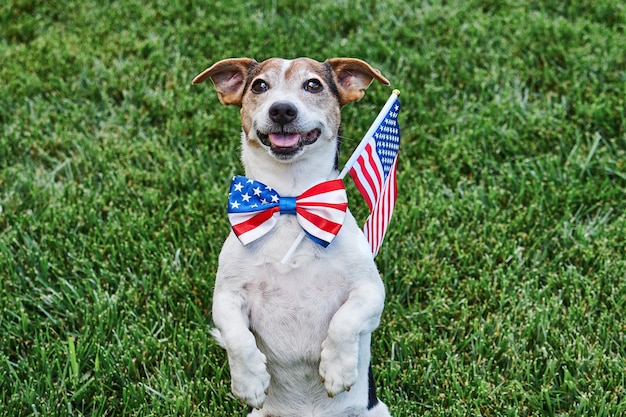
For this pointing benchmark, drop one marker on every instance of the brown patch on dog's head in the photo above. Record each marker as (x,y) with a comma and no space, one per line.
(347,77)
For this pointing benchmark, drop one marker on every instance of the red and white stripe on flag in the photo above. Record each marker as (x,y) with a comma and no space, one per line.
(377,222)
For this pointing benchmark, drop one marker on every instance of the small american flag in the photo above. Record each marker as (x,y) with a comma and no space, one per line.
(374,171)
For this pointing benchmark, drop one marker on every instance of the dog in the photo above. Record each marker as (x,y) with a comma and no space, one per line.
(297,334)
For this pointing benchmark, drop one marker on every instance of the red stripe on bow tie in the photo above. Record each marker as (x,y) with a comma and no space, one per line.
(319,221)
(255,221)
(325,187)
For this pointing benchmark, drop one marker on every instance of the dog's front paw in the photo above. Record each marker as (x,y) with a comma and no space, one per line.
(338,366)
(250,380)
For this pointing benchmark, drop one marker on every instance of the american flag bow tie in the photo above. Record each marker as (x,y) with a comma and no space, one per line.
(253,209)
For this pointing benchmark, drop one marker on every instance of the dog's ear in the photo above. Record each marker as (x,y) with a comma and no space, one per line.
(352,77)
(229,77)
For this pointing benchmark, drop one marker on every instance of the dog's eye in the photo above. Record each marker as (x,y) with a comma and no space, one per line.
(259,86)
(313,86)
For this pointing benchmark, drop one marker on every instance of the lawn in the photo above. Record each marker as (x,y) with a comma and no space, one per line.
(504,264)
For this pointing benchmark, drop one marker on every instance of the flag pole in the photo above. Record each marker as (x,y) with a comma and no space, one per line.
(355,155)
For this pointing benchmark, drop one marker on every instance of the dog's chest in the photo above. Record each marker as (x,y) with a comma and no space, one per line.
(290,306)
(290,309)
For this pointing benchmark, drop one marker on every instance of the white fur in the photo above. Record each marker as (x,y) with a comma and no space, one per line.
(297,335)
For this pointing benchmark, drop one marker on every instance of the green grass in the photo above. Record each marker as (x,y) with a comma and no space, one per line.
(504,264)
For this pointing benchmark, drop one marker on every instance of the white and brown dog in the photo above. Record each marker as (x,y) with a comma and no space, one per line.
(297,334)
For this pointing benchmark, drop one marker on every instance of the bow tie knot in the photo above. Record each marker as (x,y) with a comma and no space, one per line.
(253,209)
(287,205)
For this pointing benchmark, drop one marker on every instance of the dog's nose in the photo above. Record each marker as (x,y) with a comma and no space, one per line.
(283,112)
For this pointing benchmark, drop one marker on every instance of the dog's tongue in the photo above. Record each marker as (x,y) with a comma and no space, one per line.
(284,140)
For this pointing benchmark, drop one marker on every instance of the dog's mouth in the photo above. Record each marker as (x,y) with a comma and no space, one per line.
(288,143)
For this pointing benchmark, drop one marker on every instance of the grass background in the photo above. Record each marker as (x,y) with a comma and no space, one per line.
(504,263)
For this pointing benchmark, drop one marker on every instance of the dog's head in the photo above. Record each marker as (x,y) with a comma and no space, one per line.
(290,107)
